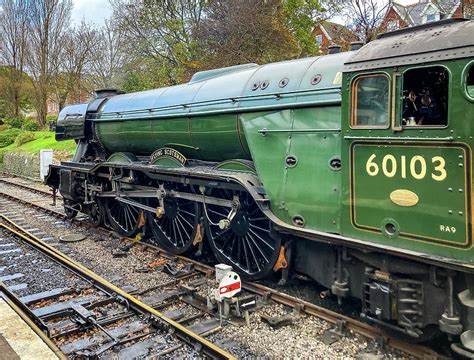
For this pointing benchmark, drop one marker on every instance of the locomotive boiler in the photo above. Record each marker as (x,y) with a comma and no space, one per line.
(354,169)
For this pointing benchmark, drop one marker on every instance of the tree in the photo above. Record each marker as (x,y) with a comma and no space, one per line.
(13,31)
(364,17)
(48,22)
(300,17)
(109,58)
(76,52)
(245,31)
(162,30)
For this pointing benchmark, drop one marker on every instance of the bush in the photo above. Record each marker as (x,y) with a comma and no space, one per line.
(51,118)
(4,127)
(13,122)
(8,137)
(24,137)
(30,125)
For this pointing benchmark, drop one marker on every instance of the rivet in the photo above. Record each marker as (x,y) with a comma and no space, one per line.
(460,157)
(460,165)
(460,213)
(450,189)
(460,190)
(450,211)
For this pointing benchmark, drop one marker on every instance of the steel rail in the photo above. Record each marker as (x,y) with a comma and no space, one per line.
(16,305)
(29,188)
(323,313)
(333,317)
(199,343)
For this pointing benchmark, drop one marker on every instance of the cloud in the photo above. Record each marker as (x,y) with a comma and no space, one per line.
(92,11)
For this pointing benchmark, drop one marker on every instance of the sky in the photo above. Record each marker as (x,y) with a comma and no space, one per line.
(96,11)
(92,11)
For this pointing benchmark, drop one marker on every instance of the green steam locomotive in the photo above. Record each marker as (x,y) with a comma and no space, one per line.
(354,169)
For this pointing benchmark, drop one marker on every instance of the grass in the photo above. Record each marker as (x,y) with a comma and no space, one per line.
(43,140)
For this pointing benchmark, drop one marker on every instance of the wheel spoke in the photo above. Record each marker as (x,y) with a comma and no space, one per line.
(215,212)
(258,247)
(178,215)
(253,254)
(248,244)
(259,228)
(258,219)
(187,213)
(179,231)
(176,230)
(262,239)
(180,224)
(121,217)
(247,260)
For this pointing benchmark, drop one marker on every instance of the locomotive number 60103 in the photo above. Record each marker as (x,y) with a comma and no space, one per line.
(416,166)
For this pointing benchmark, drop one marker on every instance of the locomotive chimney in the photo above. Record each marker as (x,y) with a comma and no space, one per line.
(102,93)
(334,49)
(356,45)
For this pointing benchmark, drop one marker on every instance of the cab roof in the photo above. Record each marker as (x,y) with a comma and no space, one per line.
(437,41)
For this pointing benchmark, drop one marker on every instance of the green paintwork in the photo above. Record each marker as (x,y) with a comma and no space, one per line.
(201,118)
(311,189)
(167,162)
(236,165)
(121,158)
(214,138)
(440,224)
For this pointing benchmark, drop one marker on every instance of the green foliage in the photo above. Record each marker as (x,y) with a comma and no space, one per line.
(171,40)
(24,138)
(51,118)
(300,17)
(2,154)
(8,137)
(13,122)
(43,140)
(153,74)
(15,92)
(4,127)
(239,32)
(30,124)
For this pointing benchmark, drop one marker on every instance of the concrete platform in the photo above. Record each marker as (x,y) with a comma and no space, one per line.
(18,340)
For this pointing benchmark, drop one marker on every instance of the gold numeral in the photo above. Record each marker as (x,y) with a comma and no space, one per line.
(417,167)
(442,171)
(371,167)
(418,175)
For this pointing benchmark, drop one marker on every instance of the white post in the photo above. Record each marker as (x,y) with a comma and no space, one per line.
(46,159)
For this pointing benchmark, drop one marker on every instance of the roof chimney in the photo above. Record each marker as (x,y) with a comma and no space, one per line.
(356,45)
(102,93)
(334,49)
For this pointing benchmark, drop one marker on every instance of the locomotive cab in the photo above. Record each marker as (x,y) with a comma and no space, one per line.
(407,126)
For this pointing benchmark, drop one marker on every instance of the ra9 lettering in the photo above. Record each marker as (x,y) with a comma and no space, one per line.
(415,167)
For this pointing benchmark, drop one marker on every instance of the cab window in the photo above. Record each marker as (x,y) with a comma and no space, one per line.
(425,97)
(470,82)
(370,101)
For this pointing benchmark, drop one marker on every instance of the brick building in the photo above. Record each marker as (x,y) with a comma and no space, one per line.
(424,11)
(327,33)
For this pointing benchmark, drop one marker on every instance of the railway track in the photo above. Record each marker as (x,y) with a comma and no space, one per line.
(82,313)
(341,323)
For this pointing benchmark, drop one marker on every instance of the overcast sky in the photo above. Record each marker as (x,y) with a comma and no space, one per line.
(96,11)
(92,11)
